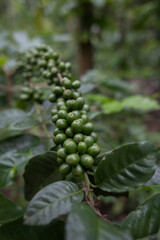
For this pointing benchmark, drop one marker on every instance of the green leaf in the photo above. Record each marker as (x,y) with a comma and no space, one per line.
(18,231)
(83,223)
(14,155)
(14,121)
(142,103)
(40,171)
(9,211)
(3,60)
(113,106)
(137,102)
(145,220)
(51,202)
(126,167)
(85,88)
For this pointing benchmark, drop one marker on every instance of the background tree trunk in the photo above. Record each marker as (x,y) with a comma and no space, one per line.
(85,48)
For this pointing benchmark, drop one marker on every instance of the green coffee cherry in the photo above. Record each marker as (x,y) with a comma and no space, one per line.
(77,171)
(86,107)
(84,118)
(77,113)
(80,101)
(70,147)
(88,128)
(95,136)
(69,132)
(86,161)
(89,141)
(56,131)
(62,114)
(60,161)
(68,66)
(78,137)
(72,104)
(76,84)
(62,66)
(61,153)
(57,90)
(54,118)
(54,112)
(94,150)
(65,169)
(60,138)
(82,147)
(77,125)
(76,95)
(67,83)
(67,94)
(72,159)
(52,97)
(70,117)
(61,124)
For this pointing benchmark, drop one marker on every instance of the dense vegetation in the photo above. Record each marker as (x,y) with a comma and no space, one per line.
(78,156)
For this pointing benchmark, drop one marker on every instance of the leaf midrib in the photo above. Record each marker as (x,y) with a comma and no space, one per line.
(121,170)
(59,199)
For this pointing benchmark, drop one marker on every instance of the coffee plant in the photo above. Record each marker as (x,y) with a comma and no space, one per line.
(67,185)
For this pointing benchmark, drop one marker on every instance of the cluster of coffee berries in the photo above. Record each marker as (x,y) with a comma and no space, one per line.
(76,143)
(73,135)
(31,94)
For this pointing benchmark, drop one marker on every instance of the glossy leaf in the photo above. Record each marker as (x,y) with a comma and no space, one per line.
(126,167)
(9,211)
(14,155)
(40,171)
(83,223)
(145,220)
(13,121)
(18,231)
(51,202)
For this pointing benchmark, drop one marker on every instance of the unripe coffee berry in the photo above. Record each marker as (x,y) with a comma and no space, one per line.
(54,111)
(61,153)
(52,97)
(95,136)
(70,117)
(65,169)
(77,171)
(69,132)
(61,124)
(60,161)
(82,147)
(94,150)
(54,118)
(60,138)
(78,137)
(89,141)
(67,83)
(72,159)
(72,104)
(67,94)
(57,90)
(80,101)
(56,131)
(86,161)
(88,128)
(70,147)
(76,95)
(77,125)
(62,114)
(86,107)
(85,118)
(76,84)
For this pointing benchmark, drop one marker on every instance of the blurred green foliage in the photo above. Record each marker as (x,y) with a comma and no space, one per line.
(126,50)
